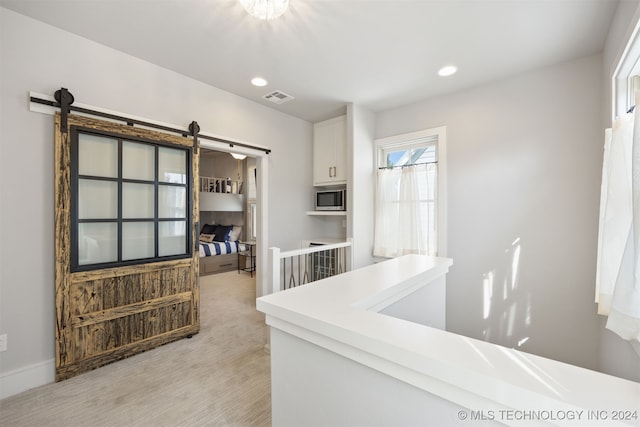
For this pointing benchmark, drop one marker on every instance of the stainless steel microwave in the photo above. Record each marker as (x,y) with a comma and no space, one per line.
(331,200)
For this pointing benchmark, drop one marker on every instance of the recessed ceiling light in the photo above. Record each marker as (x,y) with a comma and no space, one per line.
(258,81)
(447,71)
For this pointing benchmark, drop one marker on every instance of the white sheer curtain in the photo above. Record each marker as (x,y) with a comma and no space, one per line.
(618,265)
(405,211)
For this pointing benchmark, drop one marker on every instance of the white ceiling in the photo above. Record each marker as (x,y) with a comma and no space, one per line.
(326,53)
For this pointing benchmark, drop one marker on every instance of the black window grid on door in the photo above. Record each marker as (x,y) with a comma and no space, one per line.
(119,221)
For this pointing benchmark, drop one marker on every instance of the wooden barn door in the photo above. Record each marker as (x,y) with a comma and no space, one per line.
(126,218)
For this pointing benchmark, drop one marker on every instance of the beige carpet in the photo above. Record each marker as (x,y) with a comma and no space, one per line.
(220,377)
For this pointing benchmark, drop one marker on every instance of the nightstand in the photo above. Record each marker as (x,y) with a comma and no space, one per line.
(250,254)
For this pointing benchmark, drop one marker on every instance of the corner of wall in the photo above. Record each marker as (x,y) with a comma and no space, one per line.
(360,187)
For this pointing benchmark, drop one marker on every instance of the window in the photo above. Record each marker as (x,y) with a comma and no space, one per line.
(410,196)
(253,215)
(625,79)
(130,200)
(618,259)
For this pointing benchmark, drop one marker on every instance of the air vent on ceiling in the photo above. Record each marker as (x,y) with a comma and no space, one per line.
(278,97)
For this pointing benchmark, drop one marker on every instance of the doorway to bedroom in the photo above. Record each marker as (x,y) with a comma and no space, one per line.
(228,213)
(254,172)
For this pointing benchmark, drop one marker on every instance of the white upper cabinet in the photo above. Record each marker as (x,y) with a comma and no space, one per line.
(330,152)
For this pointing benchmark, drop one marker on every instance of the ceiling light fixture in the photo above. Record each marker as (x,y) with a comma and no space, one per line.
(258,81)
(265,9)
(447,71)
(238,156)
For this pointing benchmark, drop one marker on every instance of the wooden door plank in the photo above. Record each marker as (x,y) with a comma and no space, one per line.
(62,197)
(127,310)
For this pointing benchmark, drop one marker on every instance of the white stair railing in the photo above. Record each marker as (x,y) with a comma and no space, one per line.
(291,269)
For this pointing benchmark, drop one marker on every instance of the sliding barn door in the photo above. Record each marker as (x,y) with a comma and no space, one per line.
(126,218)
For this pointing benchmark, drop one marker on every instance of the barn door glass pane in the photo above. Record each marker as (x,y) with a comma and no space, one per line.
(137,200)
(172,202)
(97,199)
(138,161)
(137,240)
(97,156)
(97,242)
(172,238)
(172,165)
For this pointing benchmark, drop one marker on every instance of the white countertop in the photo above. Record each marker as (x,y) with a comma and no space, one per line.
(341,311)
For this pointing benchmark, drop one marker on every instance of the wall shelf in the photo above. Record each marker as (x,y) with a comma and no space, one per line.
(327,213)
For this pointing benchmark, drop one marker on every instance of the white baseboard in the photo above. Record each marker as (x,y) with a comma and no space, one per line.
(23,379)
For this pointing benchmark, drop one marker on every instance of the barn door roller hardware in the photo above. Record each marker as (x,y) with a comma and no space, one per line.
(194,128)
(64,100)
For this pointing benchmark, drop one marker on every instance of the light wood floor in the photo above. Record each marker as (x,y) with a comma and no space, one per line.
(220,377)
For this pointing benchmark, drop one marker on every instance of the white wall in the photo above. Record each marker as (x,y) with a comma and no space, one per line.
(221,165)
(37,57)
(425,306)
(361,186)
(524,163)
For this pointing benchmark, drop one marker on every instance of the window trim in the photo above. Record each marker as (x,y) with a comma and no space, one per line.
(75,221)
(439,137)
(622,98)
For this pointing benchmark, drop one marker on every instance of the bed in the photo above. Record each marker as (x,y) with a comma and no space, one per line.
(219,246)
